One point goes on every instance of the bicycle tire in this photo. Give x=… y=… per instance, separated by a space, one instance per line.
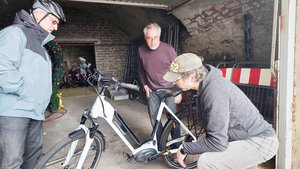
x=54 y=158
x=190 y=119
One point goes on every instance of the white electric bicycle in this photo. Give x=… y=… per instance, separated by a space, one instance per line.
x=83 y=147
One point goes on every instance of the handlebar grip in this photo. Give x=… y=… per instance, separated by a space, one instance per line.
x=130 y=86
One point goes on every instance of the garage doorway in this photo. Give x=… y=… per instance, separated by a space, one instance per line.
x=71 y=54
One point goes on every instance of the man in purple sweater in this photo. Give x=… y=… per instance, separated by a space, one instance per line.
x=155 y=58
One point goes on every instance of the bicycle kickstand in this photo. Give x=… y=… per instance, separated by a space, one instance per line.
x=128 y=156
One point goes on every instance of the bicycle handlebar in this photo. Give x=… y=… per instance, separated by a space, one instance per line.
x=97 y=76
x=130 y=86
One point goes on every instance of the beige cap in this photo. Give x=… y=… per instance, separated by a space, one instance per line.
x=183 y=63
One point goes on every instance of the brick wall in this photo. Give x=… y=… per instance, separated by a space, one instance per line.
x=111 y=60
x=110 y=44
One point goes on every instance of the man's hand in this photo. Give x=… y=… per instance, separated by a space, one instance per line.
x=178 y=99
x=147 y=90
x=180 y=158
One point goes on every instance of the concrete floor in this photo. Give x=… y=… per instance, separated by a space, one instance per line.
x=134 y=113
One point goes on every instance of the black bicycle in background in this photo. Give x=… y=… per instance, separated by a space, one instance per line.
x=74 y=78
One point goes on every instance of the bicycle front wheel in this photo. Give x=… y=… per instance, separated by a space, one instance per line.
x=170 y=145
x=56 y=156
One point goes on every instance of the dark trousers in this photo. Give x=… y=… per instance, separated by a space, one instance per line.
x=21 y=142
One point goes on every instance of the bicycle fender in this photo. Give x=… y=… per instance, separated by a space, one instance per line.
x=76 y=133
x=82 y=132
x=103 y=138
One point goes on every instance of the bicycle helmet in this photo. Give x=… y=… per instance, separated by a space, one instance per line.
x=50 y=7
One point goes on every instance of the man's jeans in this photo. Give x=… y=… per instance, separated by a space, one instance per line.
x=153 y=105
x=241 y=154
x=21 y=142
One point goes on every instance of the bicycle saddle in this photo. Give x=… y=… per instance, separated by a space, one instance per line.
x=172 y=92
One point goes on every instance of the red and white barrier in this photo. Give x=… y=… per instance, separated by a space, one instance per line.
x=252 y=76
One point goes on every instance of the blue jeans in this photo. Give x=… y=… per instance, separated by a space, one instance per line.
x=154 y=101
x=21 y=142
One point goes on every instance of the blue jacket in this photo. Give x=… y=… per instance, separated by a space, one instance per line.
x=25 y=69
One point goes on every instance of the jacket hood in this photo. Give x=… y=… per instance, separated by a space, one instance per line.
x=213 y=73
x=23 y=18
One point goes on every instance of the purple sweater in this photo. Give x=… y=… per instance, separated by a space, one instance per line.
x=153 y=64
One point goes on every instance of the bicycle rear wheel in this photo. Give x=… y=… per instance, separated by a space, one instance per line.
x=191 y=121
x=56 y=156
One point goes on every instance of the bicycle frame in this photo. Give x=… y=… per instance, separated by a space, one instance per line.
x=142 y=152
x=103 y=109
x=163 y=106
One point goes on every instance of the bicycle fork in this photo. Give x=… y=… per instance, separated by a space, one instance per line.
x=89 y=138
x=88 y=142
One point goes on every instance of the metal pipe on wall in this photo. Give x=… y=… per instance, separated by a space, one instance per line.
x=128 y=3
x=179 y=5
x=248 y=36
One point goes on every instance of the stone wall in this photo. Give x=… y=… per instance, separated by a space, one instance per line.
x=215 y=28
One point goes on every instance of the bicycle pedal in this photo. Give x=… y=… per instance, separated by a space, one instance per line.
x=128 y=156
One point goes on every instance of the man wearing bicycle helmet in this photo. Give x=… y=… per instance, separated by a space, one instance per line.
x=25 y=83
x=237 y=136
